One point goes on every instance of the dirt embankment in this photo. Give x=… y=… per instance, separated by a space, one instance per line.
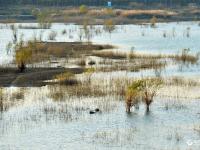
x=32 y=77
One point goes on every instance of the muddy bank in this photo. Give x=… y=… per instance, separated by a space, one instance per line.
x=32 y=77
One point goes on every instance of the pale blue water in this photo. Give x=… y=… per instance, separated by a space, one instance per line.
x=68 y=124
x=142 y=38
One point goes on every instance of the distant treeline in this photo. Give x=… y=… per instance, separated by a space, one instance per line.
x=94 y=2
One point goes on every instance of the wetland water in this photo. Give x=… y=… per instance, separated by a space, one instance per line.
x=33 y=119
x=164 y=38
x=39 y=122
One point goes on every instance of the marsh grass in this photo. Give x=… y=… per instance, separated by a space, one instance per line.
x=187 y=58
x=66 y=78
x=184 y=57
x=81 y=62
x=1 y=100
x=178 y=81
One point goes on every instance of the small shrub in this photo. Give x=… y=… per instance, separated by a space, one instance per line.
x=23 y=55
x=153 y=21
x=109 y=11
x=142 y=90
x=83 y=9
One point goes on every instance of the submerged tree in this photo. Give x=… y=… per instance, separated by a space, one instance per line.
x=142 y=90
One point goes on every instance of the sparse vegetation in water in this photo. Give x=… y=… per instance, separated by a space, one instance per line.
x=52 y=35
x=81 y=62
x=187 y=58
x=64 y=32
x=188 y=32
x=153 y=21
x=1 y=100
x=109 y=26
x=9 y=47
x=43 y=18
x=104 y=81
x=142 y=90
x=14 y=32
x=87 y=31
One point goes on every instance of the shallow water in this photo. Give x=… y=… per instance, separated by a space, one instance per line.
x=39 y=122
x=140 y=38
x=34 y=119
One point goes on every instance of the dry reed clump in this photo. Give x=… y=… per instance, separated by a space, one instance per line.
x=57 y=93
x=129 y=55
x=178 y=81
x=184 y=58
x=18 y=95
x=56 y=51
x=130 y=61
x=109 y=25
x=153 y=21
x=142 y=90
x=187 y=58
x=66 y=78
x=110 y=54
x=1 y=100
x=129 y=13
x=10 y=99
x=133 y=67
x=81 y=62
